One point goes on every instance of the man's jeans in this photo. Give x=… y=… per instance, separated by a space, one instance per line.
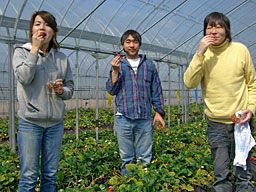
x=221 y=139
x=34 y=140
x=135 y=138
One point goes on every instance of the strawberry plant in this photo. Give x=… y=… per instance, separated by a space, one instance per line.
x=181 y=158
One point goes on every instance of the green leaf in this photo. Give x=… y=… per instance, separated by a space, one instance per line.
x=2 y=178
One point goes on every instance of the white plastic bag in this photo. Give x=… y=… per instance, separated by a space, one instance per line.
x=243 y=144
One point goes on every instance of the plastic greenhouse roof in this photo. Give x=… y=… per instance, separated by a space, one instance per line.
x=170 y=29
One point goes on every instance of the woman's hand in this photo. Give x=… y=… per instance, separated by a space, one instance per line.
x=58 y=86
x=37 y=41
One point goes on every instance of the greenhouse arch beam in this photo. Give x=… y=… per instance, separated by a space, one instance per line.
x=9 y=22
x=150 y=27
x=73 y=29
x=228 y=13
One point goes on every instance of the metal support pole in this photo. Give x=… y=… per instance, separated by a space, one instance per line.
x=77 y=87
x=187 y=103
x=184 y=106
x=12 y=135
x=97 y=98
x=169 y=95
x=97 y=56
x=179 y=98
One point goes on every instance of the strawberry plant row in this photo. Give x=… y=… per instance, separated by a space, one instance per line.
x=181 y=162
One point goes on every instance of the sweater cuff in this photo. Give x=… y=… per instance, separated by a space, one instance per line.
x=199 y=57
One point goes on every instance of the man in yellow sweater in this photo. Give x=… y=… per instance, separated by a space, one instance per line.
x=227 y=76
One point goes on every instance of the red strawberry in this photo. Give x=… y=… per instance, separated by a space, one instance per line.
x=110 y=189
x=235 y=119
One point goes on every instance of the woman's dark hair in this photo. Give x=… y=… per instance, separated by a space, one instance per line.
x=51 y=21
x=216 y=18
x=133 y=33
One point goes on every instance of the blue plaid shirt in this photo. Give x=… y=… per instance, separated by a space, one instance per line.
x=137 y=93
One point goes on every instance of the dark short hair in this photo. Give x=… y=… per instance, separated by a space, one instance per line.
x=133 y=33
x=51 y=21
x=215 y=18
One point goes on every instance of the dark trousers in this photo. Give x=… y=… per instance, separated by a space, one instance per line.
x=221 y=140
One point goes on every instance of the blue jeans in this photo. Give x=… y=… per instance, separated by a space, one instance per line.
x=34 y=141
x=221 y=139
x=135 y=139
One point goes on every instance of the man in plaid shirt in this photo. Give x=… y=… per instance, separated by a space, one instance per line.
x=135 y=82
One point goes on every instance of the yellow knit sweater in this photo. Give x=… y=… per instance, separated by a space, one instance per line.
x=227 y=77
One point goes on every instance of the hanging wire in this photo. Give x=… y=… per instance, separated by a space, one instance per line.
x=4 y=10
x=163 y=17
x=115 y=14
x=236 y=7
x=157 y=22
x=18 y=18
x=149 y=14
x=71 y=31
x=66 y=12
x=229 y=12
x=244 y=29
x=181 y=45
x=41 y=4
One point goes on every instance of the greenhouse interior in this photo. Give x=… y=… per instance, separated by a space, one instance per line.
x=89 y=33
